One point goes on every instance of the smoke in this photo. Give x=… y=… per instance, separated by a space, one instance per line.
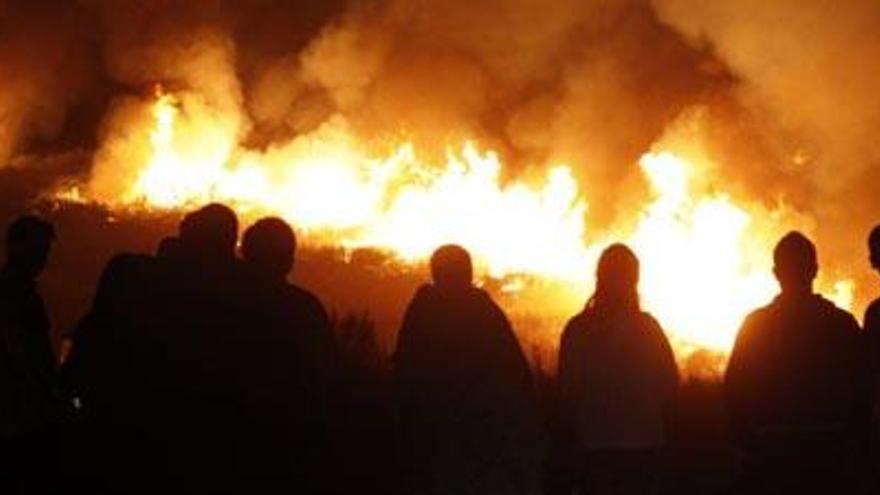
x=46 y=68
x=807 y=74
x=785 y=91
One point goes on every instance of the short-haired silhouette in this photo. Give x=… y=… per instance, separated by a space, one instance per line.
x=451 y=266
x=467 y=405
x=794 y=263
x=269 y=246
x=28 y=241
x=29 y=404
x=795 y=384
x=209 y=233
x=617 y=380
x=285 y=360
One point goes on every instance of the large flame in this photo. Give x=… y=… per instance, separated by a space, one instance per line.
x=705 y=258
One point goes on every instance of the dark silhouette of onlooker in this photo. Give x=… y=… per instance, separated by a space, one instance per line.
x=190 y=340
x=795 y=385
x=101 y=378
x=467 y=404
x=872 y=315
x=29 y=400
x=872 y=334
x=286 y=359
x=155 y=363
x=617 y=381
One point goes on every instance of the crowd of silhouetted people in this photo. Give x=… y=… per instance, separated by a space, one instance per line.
x=201 y=369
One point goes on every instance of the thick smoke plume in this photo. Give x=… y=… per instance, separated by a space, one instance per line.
x=784 y=92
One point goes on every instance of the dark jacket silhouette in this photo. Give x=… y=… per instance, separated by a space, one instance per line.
x=465 y=392
x=794 y=368
x=617 y=381
x=618 y=375
x=101 y=347
x=30 y=407
x=796 y=384
x=28 y=374
x=872 y=319
x=284 y=357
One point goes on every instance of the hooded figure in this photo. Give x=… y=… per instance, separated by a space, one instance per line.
x=465 y=393
x=617 y=380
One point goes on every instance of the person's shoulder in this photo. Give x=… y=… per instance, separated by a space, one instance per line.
x=832 y=311
x=483 y=297
x=423 y=293
x=759 y=320
x=761 y=314
x=649 y=321
x=305 y=299
x=485 y=303
x=651 y=325
x=578 y=324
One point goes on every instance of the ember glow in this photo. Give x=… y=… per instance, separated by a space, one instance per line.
x=705 y=258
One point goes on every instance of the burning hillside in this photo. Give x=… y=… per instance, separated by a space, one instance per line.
x=533 y=135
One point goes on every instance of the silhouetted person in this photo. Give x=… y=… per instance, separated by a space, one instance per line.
x=795 y=384
x=286 y=359
x=872 y=316
x=617 y=380
x=101 y=376
x=94 y=356
x=872 y=333
x=29 y=404
x=465 y=393
x=190 y=336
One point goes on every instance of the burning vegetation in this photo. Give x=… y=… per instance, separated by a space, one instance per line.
x=534 y=135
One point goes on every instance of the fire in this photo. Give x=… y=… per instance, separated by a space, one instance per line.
x=700 y=274
x=397 y=203
x=705 y=257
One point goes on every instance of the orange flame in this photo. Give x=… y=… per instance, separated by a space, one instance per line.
x=705 y=258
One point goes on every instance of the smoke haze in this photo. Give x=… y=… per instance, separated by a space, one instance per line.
x=784 y=93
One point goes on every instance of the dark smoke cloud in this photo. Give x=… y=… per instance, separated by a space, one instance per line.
x=47 y=69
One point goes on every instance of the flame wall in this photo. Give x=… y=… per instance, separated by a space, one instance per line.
x=774 y=103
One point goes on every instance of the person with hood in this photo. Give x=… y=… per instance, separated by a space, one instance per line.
x=617 y=382
x=466 y=397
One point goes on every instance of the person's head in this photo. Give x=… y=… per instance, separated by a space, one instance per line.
x=617 y=280
x=269 y=246
x=28 y=241
x=451 y=267
x=210 y=233
x=795 y=263
x=874 y=247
